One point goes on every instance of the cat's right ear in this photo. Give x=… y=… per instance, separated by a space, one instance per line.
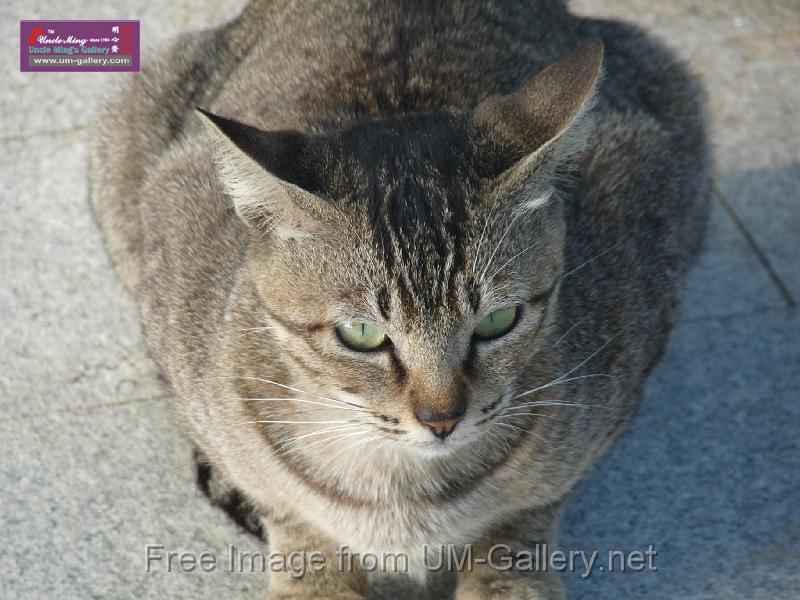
x=268 y=177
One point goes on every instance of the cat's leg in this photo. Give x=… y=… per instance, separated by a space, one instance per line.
x=221 y=493
x=511 y=544
x=288 y=538
x=291 y=537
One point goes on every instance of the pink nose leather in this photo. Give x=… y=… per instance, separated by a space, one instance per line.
x=440 y=424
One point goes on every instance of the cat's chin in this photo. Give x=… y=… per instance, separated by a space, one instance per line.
x=438 y=448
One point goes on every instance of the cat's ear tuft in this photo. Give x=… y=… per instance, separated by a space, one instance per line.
x=266 y=175
x=540 y=124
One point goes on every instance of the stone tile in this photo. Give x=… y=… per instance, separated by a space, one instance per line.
x=709 y=472
x=757 y=133
x=82 y=495
x=746 y=53
x=35 y=102
x=715 y=285
x=70 y=334
x=691 y=23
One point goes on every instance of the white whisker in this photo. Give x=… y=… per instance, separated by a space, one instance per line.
x=529 y=414
x=288 y=387
x=347 y=447
x=338 y=430
x=551 y=403
x=303 y=401
x=568 y=331
x=503 y=439
x=289 y=422
x=500 y=242
x=362 y=431
x=331 y=429
x=563 y=378
x=579 y=267
x=359 y=442
x=518 y=254
x=510 y=426
x=490 y=217
x=526 y=431
x=560 y=381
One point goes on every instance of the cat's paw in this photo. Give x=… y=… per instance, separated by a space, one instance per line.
x=306 y=593
x=518 y=588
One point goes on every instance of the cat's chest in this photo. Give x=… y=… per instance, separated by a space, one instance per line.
x=410 y=525
x=409 y=531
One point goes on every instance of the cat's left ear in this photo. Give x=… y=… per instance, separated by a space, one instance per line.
x=270 y=177
x=533 y=129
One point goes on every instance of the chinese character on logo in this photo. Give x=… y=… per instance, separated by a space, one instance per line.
x=115 y=29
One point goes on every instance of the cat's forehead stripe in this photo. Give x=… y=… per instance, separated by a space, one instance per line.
x=419 y=228
x=384 y=301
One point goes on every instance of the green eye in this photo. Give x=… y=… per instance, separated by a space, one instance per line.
x=496 y=323
x=361 y=336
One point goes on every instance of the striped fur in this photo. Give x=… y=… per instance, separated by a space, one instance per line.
x=417 y=166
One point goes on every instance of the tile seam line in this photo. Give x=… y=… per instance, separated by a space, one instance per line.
x=29 y=135
x=762 y=258
x=83 y=409
x=758 y=310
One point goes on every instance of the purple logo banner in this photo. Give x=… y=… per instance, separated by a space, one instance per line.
x=79 y=45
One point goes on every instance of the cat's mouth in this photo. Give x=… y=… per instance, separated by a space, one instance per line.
x=473 y=439
x=437 y=448
x=426 y=443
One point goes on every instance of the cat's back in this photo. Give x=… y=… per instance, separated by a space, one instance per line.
x=318 y=65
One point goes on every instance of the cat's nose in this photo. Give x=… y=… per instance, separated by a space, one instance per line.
x=440 y=424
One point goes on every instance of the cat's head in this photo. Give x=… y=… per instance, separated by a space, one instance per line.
x=410 y=265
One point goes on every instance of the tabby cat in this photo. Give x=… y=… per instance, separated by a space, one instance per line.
x=405 y=265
